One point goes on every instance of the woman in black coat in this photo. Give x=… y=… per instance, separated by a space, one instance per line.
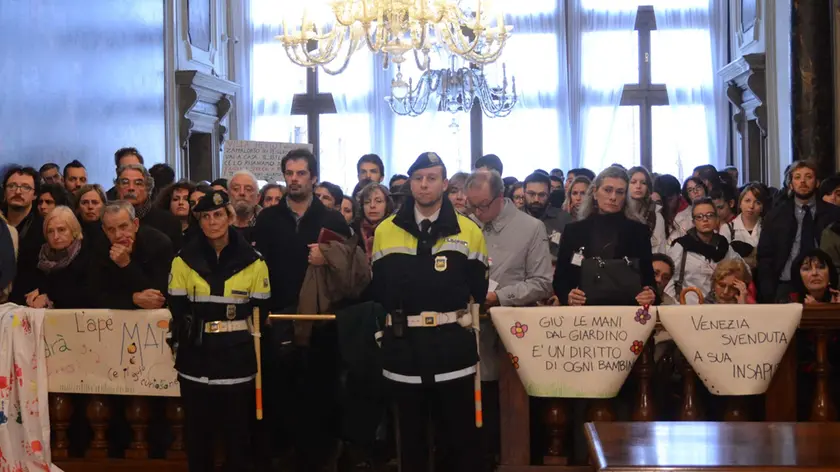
x=607 y=229
x=63 y=275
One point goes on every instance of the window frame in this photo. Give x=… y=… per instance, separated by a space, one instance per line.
x=645 y=94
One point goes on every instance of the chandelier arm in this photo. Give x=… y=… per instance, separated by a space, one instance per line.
x=353 y=45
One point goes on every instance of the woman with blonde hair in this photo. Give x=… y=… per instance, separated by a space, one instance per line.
x=575 y=194
x=640 y=190
x=63 y=274
x=731 y=284
x=744 y=231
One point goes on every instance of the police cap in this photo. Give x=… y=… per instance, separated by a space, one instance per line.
x=426 y=161
x=212 y=201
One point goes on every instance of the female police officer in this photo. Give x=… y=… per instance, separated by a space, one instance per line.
x=215 y=283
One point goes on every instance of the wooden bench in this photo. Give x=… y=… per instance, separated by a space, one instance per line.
x=706 y=446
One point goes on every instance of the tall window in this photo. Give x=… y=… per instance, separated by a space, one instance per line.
x=599 y=82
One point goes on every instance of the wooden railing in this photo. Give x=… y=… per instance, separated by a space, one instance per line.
x=94 y=433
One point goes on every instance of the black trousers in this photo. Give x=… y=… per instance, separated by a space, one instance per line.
x=456 y=440
x=213 y=409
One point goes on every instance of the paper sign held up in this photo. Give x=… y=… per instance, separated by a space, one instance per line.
x=573 y=352
x=110 y=352
x=734 y=349
x=260 y=157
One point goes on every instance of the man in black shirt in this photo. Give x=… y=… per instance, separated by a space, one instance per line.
x=287 y=236
x=133 y=270
x=135 y=185
x=20 y=187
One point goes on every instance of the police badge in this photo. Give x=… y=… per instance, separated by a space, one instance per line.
x=440 y=263
x=217 y=199
x=231 y=312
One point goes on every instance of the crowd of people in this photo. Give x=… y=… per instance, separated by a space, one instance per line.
x=425 y=248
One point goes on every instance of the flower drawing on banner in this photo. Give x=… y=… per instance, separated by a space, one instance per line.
x=637 y=347
x=642 y=316
x=4 y=382
x=3 y=418
x=36 y=446
x=26 y=324
x=519 y=330
x=514 y=360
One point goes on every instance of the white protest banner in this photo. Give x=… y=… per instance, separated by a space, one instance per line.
x=110 y=352
x=260 y=157
x=573 y=352
x=734 y=349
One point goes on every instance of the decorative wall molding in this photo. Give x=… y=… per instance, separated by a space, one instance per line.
x=204 y=102
x=747 y=91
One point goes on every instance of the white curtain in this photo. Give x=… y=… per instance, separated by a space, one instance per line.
x=690 y=47
x=536 y=134
x=603 y=55
x=273 y=79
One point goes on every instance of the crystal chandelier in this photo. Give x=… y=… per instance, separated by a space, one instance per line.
x=394 y=28
x=455 y=90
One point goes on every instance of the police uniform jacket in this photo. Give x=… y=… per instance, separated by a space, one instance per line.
x=436 y=271
x=207 y=289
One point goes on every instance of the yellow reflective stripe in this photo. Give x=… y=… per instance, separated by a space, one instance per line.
x=218 y=299
x=261 y=295
x=478 y=256
x=393 y=250
x=178 y=292
x=455 y=247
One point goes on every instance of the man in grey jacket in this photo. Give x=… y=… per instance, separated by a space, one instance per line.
x=537 y=190
x=520 y=274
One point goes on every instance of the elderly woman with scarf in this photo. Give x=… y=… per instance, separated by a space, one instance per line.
x=376 y=204
x=63 y=276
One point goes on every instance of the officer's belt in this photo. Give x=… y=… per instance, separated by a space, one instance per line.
x=431 y=319
x=226 y=326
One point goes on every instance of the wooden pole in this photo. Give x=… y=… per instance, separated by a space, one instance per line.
x=257 y=335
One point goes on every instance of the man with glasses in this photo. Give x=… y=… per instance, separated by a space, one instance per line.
x=134 y=184
x=537 y=190
x=20 y=186
x=696 y=254
x=520 y=275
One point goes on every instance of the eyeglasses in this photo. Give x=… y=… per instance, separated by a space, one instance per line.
x=481 y=208
x=692 y=190
x=705 y=217
x=23 y=188
x=518 y=198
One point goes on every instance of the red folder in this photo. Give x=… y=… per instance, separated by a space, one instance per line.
x=326 y=236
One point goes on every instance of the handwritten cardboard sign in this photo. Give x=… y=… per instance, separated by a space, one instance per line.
x=260 y=157
x=573 y=352
x=734 y=349
x=110 y=352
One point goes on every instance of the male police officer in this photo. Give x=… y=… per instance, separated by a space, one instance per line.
x=428 y=261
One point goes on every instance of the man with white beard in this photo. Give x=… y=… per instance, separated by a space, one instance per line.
x=244 y=196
